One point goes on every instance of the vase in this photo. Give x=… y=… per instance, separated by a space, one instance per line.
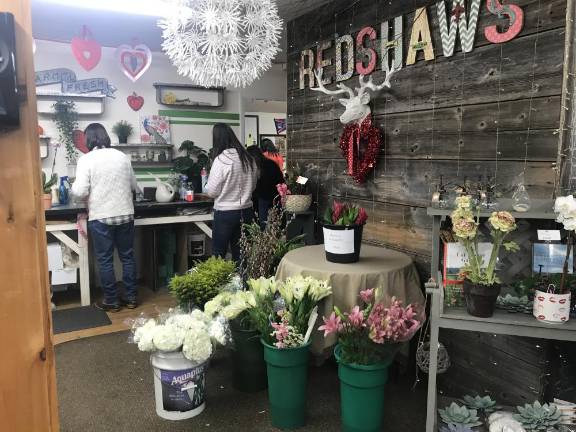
x=481 y=299
x=287 y=371
x=342 y=243
x=297 y=203
x=179 y=385
x=47 y=201
x=122 y=139
x=551 y=308
x=249 y=368
x=362 y=394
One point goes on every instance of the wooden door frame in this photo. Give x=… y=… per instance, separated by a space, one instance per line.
x=28 y=399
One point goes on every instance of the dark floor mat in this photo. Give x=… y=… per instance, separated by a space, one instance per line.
x=79 y=318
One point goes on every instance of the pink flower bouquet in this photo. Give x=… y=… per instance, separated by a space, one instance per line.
x=344 y=214
x=370 y=334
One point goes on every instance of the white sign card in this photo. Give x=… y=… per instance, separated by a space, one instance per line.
x=339 y=242
x=302 y=180
x=549 y=235
x=456 y=256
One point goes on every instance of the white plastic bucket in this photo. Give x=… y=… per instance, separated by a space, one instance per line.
x=551 y=308
x=179 y=385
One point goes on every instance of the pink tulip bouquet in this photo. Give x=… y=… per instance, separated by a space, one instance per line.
x=371 y=333
x=344 y=214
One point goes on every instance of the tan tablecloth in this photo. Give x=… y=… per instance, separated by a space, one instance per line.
x=391 y=271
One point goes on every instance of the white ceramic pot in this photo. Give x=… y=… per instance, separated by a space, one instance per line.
x=551 y=308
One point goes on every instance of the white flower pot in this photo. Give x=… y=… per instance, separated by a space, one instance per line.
x=551 y=308
x=179 y=385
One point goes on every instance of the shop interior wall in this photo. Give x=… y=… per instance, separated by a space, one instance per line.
x=494 y=111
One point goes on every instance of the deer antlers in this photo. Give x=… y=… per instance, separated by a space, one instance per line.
x=342 y=88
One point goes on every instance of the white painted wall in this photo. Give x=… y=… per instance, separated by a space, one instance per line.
x=51 y=55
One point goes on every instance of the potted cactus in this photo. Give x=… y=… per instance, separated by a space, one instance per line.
x=47 y=184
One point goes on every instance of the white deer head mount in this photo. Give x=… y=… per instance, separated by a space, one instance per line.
x=357 y=103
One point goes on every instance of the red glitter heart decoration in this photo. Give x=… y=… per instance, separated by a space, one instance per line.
x=360 y=159
x=135 y=102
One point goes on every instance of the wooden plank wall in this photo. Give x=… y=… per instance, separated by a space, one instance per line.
x=493 y=111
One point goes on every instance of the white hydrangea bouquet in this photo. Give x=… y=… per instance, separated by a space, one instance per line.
x=565 y=207
x=282 y=312
x=195 y=334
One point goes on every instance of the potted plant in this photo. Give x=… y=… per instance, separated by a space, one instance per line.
x=263 y=249
x=181 y=344
x=294 y=193
x=552 y=302
x=122 y=130
x=481 y=284
x=202 y=283
x=368 y=338
x=66 y=119
x=192 y=163
x=47 y=189
x=343 y=227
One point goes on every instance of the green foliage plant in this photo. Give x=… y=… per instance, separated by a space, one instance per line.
x=193 y=161
x=66 y=119
x=48 y=183
x=459 y=415
x=122 y=129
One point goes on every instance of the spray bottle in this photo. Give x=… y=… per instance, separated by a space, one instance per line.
x=63 y=193
x=204 y=175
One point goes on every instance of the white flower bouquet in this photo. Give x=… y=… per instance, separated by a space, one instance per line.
x=195 y=333
x=565 y=207
x=280 y=311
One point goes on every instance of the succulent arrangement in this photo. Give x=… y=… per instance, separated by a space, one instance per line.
x=459 y=415
x=538 y=417
x=485 y=403
x=456 y=428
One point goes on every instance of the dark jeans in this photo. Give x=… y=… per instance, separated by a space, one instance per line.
x=263 y=208
x=105 y=238
x=227 y=228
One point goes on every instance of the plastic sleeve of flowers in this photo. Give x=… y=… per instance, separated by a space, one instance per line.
x=311 y=323
x=133 y=324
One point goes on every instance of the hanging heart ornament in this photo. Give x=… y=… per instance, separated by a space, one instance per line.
x=360 y=146
x=135 y=102
x=86 y=50
x=134 y=60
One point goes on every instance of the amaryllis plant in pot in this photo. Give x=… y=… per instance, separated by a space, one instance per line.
x=481 y=282
x=343 y=226
x=552 y=304
x=368 y=338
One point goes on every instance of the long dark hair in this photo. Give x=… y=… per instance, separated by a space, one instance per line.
x=257 y=155
x=224 y=138
x=96 y=136
x=268 y=146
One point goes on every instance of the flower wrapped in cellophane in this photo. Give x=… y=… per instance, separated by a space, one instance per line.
x=194 y=333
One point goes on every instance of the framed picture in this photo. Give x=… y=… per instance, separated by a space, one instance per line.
x=154 y=129
x=279 y=142
x=549 y=258
x=251 y=130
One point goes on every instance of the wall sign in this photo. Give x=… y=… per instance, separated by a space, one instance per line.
x=459 y=18
x=70 y=84
x=86 y=50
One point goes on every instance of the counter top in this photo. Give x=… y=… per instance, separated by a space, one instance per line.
x=140 y=208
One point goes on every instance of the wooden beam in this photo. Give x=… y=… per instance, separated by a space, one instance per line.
x=27 y=378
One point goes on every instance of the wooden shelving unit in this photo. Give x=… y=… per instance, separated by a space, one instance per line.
x=142 y=148
x=514 y=324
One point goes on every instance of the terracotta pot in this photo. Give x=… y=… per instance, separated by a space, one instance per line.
x=481 y=299
x=47 y=201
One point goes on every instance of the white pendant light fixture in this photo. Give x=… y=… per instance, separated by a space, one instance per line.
x=220 y=43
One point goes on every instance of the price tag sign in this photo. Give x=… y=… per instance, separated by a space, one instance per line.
x=339 y=241
x=302 y=180
x=549 y=235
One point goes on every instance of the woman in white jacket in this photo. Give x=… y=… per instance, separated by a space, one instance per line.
x=232 y=180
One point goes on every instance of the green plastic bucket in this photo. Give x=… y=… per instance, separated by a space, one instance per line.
x=249 y=368
x=287 y=382
x=362 y=395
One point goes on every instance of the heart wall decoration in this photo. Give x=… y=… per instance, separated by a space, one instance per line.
x=86 y=50
x=134 y=60
x=135 y=102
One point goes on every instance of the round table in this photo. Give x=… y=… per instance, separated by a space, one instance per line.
x=391 y=271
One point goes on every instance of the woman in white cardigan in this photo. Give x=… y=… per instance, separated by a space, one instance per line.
x=232 y=180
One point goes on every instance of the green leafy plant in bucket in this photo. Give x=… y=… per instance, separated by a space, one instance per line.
x=122 y=130
x=193 y=161
x=344 y=214
x=538 y=417
x=48 y=183
x=459 y=415
x=202 y=283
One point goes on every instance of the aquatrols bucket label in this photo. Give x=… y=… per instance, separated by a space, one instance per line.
x=182 y=390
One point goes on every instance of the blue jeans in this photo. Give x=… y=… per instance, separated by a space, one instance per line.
x=227 y=230
x=105 y=238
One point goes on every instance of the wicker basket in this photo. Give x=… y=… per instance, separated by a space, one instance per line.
x=297 y=203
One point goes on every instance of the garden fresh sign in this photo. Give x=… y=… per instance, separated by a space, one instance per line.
x=457 y=18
